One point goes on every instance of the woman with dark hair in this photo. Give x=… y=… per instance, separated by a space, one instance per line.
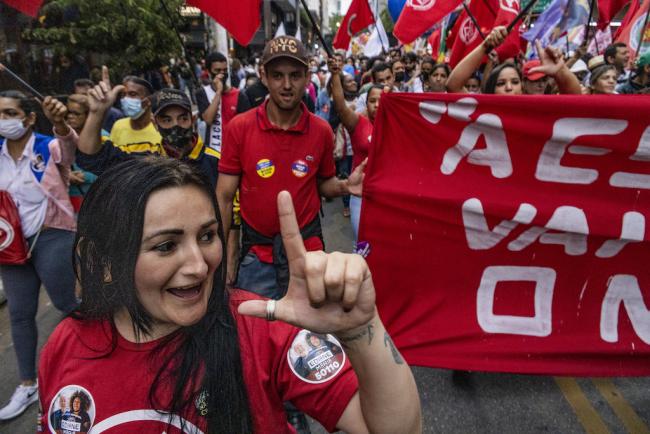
x=603 y=80
x=34 y=170
x=506 y=79
x=438 y=78
x=159 y=343
x=359 y=127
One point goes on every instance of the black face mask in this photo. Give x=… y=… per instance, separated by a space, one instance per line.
x=400 y=76
x=177 y=141
x=425 y=75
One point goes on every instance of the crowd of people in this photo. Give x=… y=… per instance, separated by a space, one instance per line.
x=125 y=231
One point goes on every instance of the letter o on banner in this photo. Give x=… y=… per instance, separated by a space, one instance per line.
x=540 y=324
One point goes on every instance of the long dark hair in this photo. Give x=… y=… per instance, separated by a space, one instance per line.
x=491 y=83
x=205 y=365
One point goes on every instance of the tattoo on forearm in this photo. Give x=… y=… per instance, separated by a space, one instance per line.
x=368 y=331
x=388 y=342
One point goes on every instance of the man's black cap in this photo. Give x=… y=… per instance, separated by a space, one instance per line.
x=170 y=97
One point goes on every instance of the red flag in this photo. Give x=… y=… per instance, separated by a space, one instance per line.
x=508 y=11
x=28 y=7
x=241 y=18
x=631 y=28
x=419 y=15
x=607 y=9
x=434 y=40
x=467 y=36
x=359 y=17
x=633 y=9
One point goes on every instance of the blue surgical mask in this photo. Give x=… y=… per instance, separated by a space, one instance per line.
x=131 y=107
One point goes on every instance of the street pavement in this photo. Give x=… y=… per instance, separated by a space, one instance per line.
x=452 y=401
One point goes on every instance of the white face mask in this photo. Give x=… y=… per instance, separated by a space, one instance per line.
x=12 y=129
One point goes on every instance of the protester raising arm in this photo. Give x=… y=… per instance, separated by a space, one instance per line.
x=470 y=63
x=334 y=293
x=349 y=118
x=553 y=65
x=551 y=60
x=100 y=100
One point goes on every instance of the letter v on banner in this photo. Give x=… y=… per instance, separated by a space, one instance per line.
x=358 y=17
x=241 y=18
x=419 y=15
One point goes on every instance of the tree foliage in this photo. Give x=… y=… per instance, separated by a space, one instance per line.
x=135 y=35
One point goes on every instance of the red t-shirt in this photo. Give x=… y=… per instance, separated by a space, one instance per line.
x=319 y=380
x=360 y=139
x=269 y=160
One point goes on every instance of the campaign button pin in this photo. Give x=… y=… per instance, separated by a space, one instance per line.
x=300 y=168
x=265 y=168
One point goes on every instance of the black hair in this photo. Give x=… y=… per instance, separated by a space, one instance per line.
x=27 y=104
x=611 y=50
x=205 y=364
x=215 y=56
x=374 y=60
x=84 y=400
x=141 y=81
x=428 y=60
x=83 y=82
x=443 y=66
x=410 y=56
x=379 y=67
x=491 y=82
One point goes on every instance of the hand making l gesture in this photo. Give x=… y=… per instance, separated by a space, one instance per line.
x=328 y=293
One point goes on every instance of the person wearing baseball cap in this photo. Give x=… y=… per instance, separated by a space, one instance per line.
x=640 y=79
x=278 y=146
x=172 y=118
x=535 y=83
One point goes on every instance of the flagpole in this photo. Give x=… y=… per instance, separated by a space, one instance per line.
x=645 y=24
x=518 y=18
x=21 y=81
x=314 y=26
x=195 y=80
x=592 y=6
x=383 y=50
x=471 y=17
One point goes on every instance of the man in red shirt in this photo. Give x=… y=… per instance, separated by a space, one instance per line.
x=278 y=146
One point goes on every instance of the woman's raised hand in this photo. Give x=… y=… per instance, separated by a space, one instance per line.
x=328 y=293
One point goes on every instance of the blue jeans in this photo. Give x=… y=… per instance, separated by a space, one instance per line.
x=51 y=266
x=258 y=277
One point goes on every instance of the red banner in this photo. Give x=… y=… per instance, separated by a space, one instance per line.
x=509 y=233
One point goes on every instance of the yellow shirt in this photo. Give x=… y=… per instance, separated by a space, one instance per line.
x=129 y=140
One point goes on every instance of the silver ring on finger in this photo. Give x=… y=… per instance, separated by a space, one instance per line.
x=270 y=310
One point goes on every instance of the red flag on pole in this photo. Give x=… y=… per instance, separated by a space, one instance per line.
x=632 y=10
x=359 y=17
x=467 y=36
x=507 y=12
x=434 y=41
x=607 y=9
x=241 y=18
x=630 y=31
x=419 y=15
x=28 y=7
